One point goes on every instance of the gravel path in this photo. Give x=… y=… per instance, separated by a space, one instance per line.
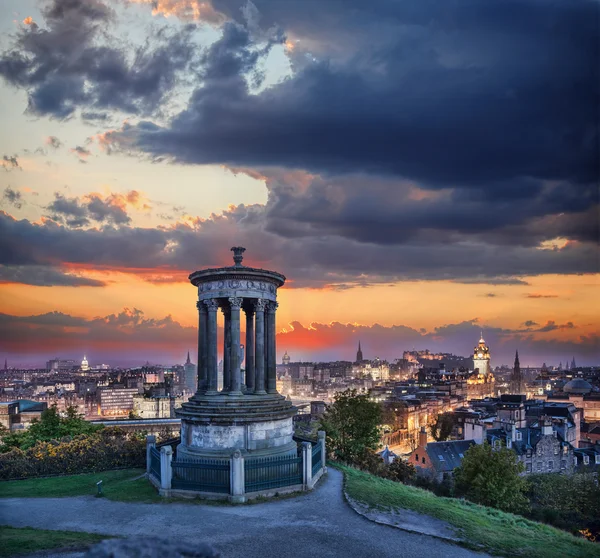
x=319 y=524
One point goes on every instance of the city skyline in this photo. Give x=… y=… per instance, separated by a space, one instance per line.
x=328 y=148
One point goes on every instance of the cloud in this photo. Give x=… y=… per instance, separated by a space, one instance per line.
x=187 y=10
x=310 y=261
x=53 y=142
x=390 y=108
x=355 y=146
x=12 y=197
x=129 y=331
x=553 y=326
x=10 y=162
x=490 y=295
x=133 y=335
x=95 y=116
x=44 y=276
x=530 y=323
x=71 y=61
x=539 y=295
x=81 y=152
x=79 y=212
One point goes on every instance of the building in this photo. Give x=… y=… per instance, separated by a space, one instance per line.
x=438 y=459
x=481 y=357
x=18 y=415
x=61 y=365
x=190 y=376
x=516 y=379
x=115 y=400
x=155 y=407
x=84 y=364
x=481 y=383
x=541 y=449
x=286 y=359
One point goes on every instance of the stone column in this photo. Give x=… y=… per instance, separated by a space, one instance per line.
x=272 y=355
x=150 y=443
x=259 y=384
x=211 y=346
x=202 y=347
x=234 y=360
x=322 y=437
x=166 y=471
x=307 y=465
x=249 y=350
x=237 y=484
x=226 y=349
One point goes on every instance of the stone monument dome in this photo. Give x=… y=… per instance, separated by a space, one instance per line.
x=577 y=386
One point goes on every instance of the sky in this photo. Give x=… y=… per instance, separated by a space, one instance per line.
x=419 y=171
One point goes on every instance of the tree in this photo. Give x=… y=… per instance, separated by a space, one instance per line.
x=352 y=425
x=491 y=477
x=400 y=471
x=50 y=426
x=442 y=428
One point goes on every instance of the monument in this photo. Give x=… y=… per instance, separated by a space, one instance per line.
x=248 y=414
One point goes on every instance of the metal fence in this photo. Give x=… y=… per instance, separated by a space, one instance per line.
x=316 y=458
x=264 y=473
x=155 y=463
x=203 y=475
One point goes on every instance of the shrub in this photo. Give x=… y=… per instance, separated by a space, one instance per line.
x=110 y=448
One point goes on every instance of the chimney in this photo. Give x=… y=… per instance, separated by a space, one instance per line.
x=423 y=437
x=546 y=426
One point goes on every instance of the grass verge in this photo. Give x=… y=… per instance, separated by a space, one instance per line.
x=484 y=528
x=17 y=541
x=116 y=485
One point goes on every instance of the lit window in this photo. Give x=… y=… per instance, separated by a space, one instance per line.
x=441 y=457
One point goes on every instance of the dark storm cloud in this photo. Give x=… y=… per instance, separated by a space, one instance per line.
x=44 y=276
x=79 y=212
x=308 y=261
x=460 y=96
x=530 y=323
x=430 y=125
x=70 y=61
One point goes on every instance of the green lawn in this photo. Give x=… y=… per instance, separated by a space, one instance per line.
x=27 y=541
x=117 y=485
x=484 y=528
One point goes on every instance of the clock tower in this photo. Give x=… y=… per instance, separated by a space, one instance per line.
x=481 y=357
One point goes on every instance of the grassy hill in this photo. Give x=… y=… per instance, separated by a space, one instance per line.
x=486 y=529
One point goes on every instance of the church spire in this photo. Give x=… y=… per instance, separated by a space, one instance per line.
x=359 y=354
x=188 y=361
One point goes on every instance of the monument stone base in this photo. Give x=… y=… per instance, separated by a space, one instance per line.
x=216 y=426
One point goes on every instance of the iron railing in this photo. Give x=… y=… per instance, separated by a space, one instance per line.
x=316 y=458
x=264 y=473
x=203 y=475
x=155 y=463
